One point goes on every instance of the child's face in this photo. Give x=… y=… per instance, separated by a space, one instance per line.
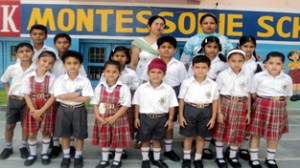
x=38 y=36
x=25 y=53
x=156 y=75
x=72 y=65
x=120 y=56
x=294 y=57
x=211 y=49
x=166 y=50
x=248 y=48
x=157 y=26
x=200 y=69
x=111 y=73
x=45 y=63
x=274 y=65
x=236 y=62
x=62 y=45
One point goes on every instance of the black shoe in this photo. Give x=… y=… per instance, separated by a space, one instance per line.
x=221 y=164
x=151 y=156
x=102 y=164
x=65 y=163
x=116 y=165
x=6 y=153
x=78 y=162
x=111 y=154
x=271 y=165
x=45 y=159
x=160 y=164
x=294 y=98
x=146 y=164
x=244 y=154
x=56 y=150
x=72 y=151
x=254 y=166
x=172 y=156
x=198 y=164
x=30 y=160
x=24 y=152
x=124 y=155
x=207 y=154
x=186 y=163
x=234 y=162
x=227 y=152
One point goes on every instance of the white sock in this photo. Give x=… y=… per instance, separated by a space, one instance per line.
x=233 y=151
x=207 y=142
x=271 y=155
x=32 y=147
x=168 y=145
x=118 y=154
x=55 y=141
x=66 y=153
x=45 y=146
x=78 y=154
x=23 y=144
x=198 y=156
x=105 y=154
x=72 y=141
x=8 y=145
x=187 y=154
x=156 y=152
x=254 y=155
x=145 y=153
x=219 y=150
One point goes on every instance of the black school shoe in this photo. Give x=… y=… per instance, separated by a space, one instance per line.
x=72 y=151
x=56 y=150
x=146 y=164
x=271 y=165
x=221 y=164
x=102 y=164
x=294 y=98
x=65 y=163
x=186 y=163
x=30 y=160
x=198 y=164
x=151 y=156
x=172 y=156
x=234 y=164
x=207 y=154
x=160 y=164
x=255 y=166
x=6 y=153
x=78 y=162
x=244 y=154
x=118 y=165
x=24 y=152
x=45 y=159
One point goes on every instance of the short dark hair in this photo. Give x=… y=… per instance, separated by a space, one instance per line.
x=201 y=59
x=167 y=39
x=47 y=53
x=74 y=54
x=62 y=35
x=112 y=62
x=121 y=48
x=39 y=27
x=275 y=54
x=153 y=18
x=23 y=44
x=208 y=15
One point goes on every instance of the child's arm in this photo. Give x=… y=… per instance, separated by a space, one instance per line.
x=220 y=115
x=29 y=103
x=137 y=123
x=118 y=114
x=253 y=95
x=248 y=118
x=100 y=119
x=212 y=121
x=182 y=120
x=6 y=88
x=169 y=123
x=37 y=113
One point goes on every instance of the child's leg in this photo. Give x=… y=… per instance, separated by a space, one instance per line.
x=45 y=144
x=219 y=150
x=32 y=144
x=9 y=133
x=169 y=152
x=187 y=147
x=199 y=148
x=66 y=146
x=79 y=147
x=156 y=149
x=272 y=148
x=118 y=154
x=254 y=148
x=145 y=150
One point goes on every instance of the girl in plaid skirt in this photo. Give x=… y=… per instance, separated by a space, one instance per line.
x=111 y=102
x=40 y=112
x=270 y=90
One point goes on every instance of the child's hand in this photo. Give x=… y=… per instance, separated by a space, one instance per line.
x=182 y=121
x=248 y=118
x=36 y=114
x=111 y=120
x=211 y=124
x=169 y=124
x=137 y=123
x=101 y=120
x=220 y=118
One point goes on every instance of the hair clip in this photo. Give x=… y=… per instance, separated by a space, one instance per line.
x=205 y=40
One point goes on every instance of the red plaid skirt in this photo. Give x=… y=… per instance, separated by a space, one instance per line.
x=131 y=121
x=295 y=75
x=233 y=130
x=269 y=119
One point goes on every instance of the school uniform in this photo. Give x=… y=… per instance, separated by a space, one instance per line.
x=269 y=115
x=110 y=100
x=154 y=105
x=71 y=117
x=234 y=90
x=198 y=98
x=40 y=90
x=251 y=66
x=16 y=102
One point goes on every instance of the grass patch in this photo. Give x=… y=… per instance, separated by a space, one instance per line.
x=3 y=100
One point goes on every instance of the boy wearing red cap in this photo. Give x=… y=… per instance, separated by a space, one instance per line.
x=155 y=104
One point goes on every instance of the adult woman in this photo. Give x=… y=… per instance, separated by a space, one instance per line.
x=208 y=24
x=144 y=49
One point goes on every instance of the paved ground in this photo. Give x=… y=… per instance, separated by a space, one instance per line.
x=288 y=155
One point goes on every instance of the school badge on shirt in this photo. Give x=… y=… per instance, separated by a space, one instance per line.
x=208 y=95
x=162 y=101
x=284 y=87
x=243 y=85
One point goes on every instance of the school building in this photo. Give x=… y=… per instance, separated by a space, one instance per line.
x=97 y=26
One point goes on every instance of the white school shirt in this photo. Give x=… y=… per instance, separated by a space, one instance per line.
x=154 y=100
x=128 y=77
x=250 y=66
x=232 y=84
x=263 y=84
x=191 y=91
x=124 y=97
x=64 y=85
x=175 y=74
x=59 y=69
x=16 y=74
x=216 y=66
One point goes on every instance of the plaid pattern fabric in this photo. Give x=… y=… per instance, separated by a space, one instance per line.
x=48 y=118
x=116 y=135
x=295 y=75
x=233 y=130
x=269 y=119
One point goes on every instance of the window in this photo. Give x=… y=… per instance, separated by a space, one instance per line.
x=97 y=55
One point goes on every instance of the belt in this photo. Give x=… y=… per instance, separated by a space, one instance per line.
x=155 y=116
x=110 y=106
x=199 y=105
x=16 y=97
x=274 y=98
x=46 y=96
x=235 y=98
x=72 y=106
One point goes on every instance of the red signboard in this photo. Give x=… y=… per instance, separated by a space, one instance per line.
x=10 y=18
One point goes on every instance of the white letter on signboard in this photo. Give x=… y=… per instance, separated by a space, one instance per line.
x=7 y=18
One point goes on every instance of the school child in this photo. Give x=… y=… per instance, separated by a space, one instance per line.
x=62 y=42
x=111 y=102
x=16 y=102
x=294 y=73
x=176 y=73
x=155 y=104
x=234 y=108
x=198 y=98
x=72 y=91
x=270 y=90
x=40 y=112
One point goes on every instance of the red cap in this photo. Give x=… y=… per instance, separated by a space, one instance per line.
x=157 y=63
